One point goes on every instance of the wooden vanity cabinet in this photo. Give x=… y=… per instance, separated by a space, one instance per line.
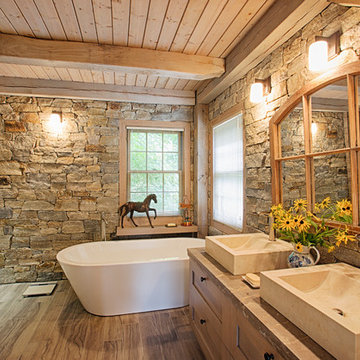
x=221 y=328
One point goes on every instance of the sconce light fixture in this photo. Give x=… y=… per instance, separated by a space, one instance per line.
x=323 y=50
x=313 y=128
x=56 y=122
x=259 y=89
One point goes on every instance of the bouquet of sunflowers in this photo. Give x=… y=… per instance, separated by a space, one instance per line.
x=306 y=228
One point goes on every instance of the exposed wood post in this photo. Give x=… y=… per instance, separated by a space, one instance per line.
x=201 y=168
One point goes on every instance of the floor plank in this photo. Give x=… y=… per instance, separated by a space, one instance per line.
x=57 y=327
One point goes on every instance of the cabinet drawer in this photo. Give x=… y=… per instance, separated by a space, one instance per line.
x=206 y=325
x=245 y=342
x=209 y=291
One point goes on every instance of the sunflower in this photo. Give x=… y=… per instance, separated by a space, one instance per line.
x=299 y=205
x=344 y=208
x=299 y=247
x=331 y=248
x=286 y=223
x=303 y=225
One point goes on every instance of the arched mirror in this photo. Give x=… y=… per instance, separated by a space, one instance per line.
x=315 y=142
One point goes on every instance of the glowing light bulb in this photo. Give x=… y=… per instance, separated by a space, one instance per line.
x=256 y=92
x=318 y=56
x=313 y=128
x=55 y=123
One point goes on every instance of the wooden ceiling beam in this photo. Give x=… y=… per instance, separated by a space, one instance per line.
x=346 y=2
x=282 y=20
x=70 y=54
x=90 y=91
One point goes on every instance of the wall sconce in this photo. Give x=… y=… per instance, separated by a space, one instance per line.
x=313 y=128
x=323 y=50
x=259 y=89
x=56 y=122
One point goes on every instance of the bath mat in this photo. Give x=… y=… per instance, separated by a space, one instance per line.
x=39 y=289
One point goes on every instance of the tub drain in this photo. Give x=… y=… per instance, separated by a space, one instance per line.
x=339 y=311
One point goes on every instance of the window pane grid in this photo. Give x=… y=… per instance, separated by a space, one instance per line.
x=154 y=159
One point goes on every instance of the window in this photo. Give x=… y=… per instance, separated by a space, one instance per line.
x=228 y=172
x=155 y=166
x=154 y=158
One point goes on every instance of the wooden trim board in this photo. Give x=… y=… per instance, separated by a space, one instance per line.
x=82 y=90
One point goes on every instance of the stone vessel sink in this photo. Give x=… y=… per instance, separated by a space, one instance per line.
x=244 y=253
x=323 y=301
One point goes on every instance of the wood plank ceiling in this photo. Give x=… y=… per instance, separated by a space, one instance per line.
x=211 y=28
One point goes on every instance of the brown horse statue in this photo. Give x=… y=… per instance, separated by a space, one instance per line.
x=131 y=206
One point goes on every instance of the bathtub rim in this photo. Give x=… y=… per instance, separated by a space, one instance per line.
x=158 y=260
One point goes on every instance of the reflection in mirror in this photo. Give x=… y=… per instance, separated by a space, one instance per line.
x=293 y=181
x=292 y=133
x=332 y=177
x=330 y=125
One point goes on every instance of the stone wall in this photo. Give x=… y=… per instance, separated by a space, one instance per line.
x=287 y=66
x=54 y=188
x=331 y=172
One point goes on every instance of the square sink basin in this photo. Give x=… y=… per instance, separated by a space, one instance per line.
x=323 y=301
x=244 y=253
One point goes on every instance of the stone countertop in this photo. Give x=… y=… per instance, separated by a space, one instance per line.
x=289 y=340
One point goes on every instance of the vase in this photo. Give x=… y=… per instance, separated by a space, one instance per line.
x=303 y=258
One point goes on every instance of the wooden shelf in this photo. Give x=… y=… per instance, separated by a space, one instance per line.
x=147 y=230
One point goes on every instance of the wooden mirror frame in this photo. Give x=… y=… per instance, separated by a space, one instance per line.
x=350 y=72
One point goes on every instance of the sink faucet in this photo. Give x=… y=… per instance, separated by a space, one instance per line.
x=271 y=230
x=103 y=228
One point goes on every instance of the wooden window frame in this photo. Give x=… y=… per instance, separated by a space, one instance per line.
x=227 y=115
x=123 y=163
x=350 y=72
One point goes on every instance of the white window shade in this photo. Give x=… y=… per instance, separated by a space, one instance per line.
x=228 y=173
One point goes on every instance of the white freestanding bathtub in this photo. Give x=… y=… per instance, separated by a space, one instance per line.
x=122 y=277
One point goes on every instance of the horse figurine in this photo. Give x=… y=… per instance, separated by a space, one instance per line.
x=131 y=206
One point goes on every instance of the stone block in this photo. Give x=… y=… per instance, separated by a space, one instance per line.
x=84 y=160
x=94 y=186
x=5 y=181
x=5 y=154
x=110 y=178
x=32 y=118
x=109 y=140
x=7 y=275
x=66 y=160
x=6 y=213
x=95 y=148
x=25 y=107
x=10 y=168
x=70 y=227
x=5 y=241
x=52 y=215
x=108 y=204
x=37 y=205
x=92 y=226
x=79 y=177
x=87 y=205
x=67 y=205
x=20 y=242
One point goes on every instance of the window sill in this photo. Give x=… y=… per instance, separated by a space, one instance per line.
x=159 y=229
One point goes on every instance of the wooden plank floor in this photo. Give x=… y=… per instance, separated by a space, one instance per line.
x=57 y=327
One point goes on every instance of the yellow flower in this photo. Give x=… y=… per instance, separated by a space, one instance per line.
x=331 y=248
x=344 y=207
x=343 y=236
x=310 y=214
x=277 y=210
x=326 y=202
x=303 y=225
x=299 y=247
x=286 y=223
x=300 y=204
